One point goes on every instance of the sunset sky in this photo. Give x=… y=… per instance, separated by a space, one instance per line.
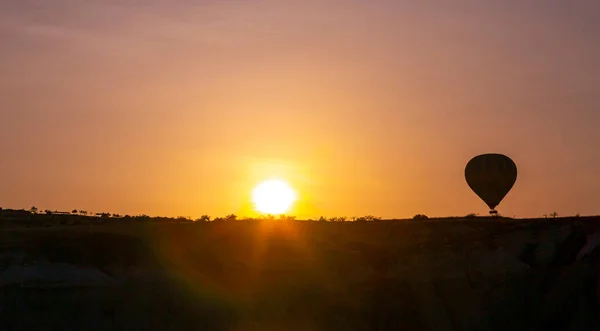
x=364 y=107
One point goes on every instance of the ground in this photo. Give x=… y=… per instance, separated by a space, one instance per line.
x=458 y=274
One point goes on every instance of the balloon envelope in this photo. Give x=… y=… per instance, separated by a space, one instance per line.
x=491 y=177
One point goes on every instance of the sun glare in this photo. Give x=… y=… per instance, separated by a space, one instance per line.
x=273 y=197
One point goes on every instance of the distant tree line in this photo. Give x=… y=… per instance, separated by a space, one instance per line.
x=232 y=217
x=79 y=216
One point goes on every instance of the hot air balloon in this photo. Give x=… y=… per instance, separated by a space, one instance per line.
x=491 y=177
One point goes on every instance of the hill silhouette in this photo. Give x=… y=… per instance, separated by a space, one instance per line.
x=426 y=274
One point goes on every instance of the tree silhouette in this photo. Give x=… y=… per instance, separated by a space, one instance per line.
x=74 y=211
x=33 y=210
x=231 y=217
x=368 y=218
x=287 y=217
x=203 y=218
x=554 y=214
x=338 y=219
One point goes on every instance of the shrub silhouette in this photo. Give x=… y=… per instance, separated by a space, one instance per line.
x=203 y=218
x=368 y=218
x=287 y=217
x=338 y=219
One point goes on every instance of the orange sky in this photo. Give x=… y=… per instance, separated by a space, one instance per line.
x=365 y=107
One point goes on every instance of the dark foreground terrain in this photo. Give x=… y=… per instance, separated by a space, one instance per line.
x=478 y=274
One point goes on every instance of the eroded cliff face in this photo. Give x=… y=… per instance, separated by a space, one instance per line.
x=132 y=306
x=37 y=293
x=294 y=277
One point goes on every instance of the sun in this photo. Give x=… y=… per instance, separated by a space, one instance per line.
x=273 y=196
